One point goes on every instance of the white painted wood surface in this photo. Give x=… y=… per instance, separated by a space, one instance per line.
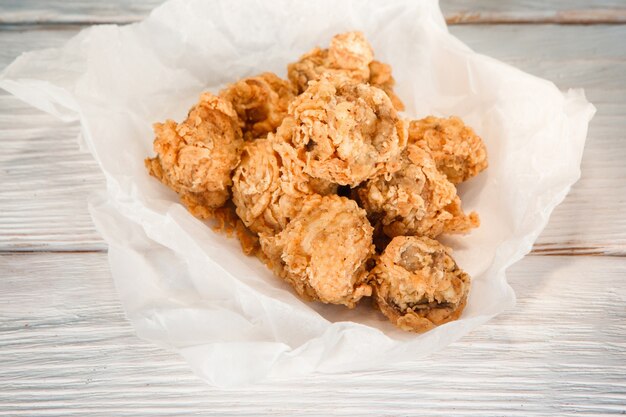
x=67 y=350
x=456 y=11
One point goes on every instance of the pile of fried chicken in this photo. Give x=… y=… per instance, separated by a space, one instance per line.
x=324 y=181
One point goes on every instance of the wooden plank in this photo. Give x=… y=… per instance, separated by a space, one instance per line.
x=46 y=179
x=75 y=11
x=67 y=350
x=533 y=11
x=455 y=11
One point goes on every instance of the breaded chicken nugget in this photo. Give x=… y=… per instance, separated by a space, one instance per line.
x=344 y=132
x=459 y=152
x=261 y=103
x=416 y=200
x=268 y=190
x=195 y=158
x=417 y=284
x=349 y=55
x=323 y=252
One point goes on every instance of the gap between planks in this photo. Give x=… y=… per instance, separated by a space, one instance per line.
x=582 y=17
x=569 y=17
x=456 y=11
x=539 y=250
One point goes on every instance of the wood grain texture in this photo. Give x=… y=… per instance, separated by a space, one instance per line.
x=533 y=12
x=46 y=180
x=455 y=11
x=67 y=350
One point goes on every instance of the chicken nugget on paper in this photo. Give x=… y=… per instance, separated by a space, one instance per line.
x=418 y=285
x=349 y=55
x=323 y=252
x=458 y=151
x=344 y=132
x=195 y=158
x=415 y=200
x=268 y=190
x=261 y=103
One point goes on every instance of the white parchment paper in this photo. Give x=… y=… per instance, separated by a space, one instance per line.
x=185 y=287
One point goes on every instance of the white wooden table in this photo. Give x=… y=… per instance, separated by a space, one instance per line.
x=67 y=350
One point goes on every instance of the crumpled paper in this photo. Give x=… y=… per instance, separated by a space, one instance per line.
x=187 y=288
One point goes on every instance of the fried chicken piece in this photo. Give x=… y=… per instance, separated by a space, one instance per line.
x=350 y=56
x=261 y=103
x=268 y=190
x=344 y=132
x=459 y=152
x=323 y=252
x=195 y=158
x=256 y=188
x=417 y=284
x=416 y=200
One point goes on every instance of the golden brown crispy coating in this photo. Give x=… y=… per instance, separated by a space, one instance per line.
x=417 y=284
x=268 y=191
x=351 y=51
x=459 y=152
x=256 y=188
x=460 y=223
x=350 y=56
x=195 y=158
x=323 y=252
x=380 y=76
x=344 y=132
x=416 y=200
x=261 y=103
